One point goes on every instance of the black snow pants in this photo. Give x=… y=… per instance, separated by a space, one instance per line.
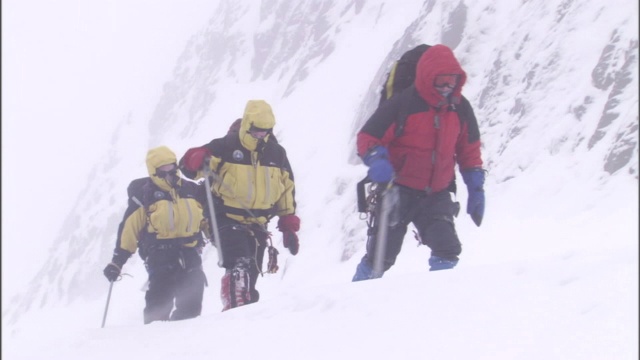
x=432 y=215
x=243 y=249
x=175 y=278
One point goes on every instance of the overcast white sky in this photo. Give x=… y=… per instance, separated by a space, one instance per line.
x=72 y=70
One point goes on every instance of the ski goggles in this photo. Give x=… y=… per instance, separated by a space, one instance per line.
x=446 y=80
x=169 y=169
x=258 y=133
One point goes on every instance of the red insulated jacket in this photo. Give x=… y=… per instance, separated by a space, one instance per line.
x=438 y=132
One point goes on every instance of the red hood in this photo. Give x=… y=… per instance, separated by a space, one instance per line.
x=438 y=60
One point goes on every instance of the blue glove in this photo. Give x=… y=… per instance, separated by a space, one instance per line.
x=474 y=178
x=380 y=169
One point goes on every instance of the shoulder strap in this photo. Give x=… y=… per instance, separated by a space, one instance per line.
x=137 y=201
x=136 y=190
x=402 y=117
x=466 y=115
x=406 y=100
x=135 y=193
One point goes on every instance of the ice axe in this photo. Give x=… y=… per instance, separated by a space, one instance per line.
x=387 y=217
x=212 y=213
x=106 y=308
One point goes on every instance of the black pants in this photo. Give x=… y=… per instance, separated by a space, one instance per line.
x=175 y=276
x=432 y=215
x=242 y=244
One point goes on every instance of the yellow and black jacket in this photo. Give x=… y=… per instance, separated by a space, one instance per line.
x=252 y=179
x=159 y=212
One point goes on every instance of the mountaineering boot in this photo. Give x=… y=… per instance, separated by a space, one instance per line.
x=438 y=263
x=364 y=271
x=235 y=290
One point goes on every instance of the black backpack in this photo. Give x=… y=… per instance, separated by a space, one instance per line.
x=403 y=72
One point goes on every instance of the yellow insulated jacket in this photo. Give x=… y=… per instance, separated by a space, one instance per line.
x=252 y=178
x=159 y=211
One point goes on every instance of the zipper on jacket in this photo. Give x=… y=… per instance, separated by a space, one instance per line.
x=250 y=177
x=172 y=225
x=436 y=126
x=190 y=219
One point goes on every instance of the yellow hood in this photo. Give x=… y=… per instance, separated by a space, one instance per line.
x=157 y=157
x=257 y=113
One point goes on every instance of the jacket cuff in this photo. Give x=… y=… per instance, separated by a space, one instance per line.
x=120 y=257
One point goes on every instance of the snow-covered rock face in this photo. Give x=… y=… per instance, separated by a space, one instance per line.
x=554 y=85
x=278 y=42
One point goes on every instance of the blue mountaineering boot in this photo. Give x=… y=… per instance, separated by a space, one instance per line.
x=438 y=263
x=364 y=271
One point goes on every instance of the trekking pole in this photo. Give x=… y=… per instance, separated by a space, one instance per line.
x=212 y=214
x=106 y=308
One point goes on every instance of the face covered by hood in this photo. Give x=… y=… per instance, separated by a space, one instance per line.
x=438 y=60
x=158 y=157
x=257 y=118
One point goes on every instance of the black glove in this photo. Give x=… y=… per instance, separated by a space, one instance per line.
x=112 y=272
x=113 y=269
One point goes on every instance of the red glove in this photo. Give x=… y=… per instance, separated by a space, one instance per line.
x=289 y=225
x=194 y=158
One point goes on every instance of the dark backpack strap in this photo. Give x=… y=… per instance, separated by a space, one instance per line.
x=135 y=191
x=465 y=113
x=409 y=104
x=403 y=114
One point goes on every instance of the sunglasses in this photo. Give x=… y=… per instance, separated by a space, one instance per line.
x=449 y=80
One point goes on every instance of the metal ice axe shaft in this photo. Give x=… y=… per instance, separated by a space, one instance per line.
x=389 y=196
x=212 y=214
x=106 y=308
